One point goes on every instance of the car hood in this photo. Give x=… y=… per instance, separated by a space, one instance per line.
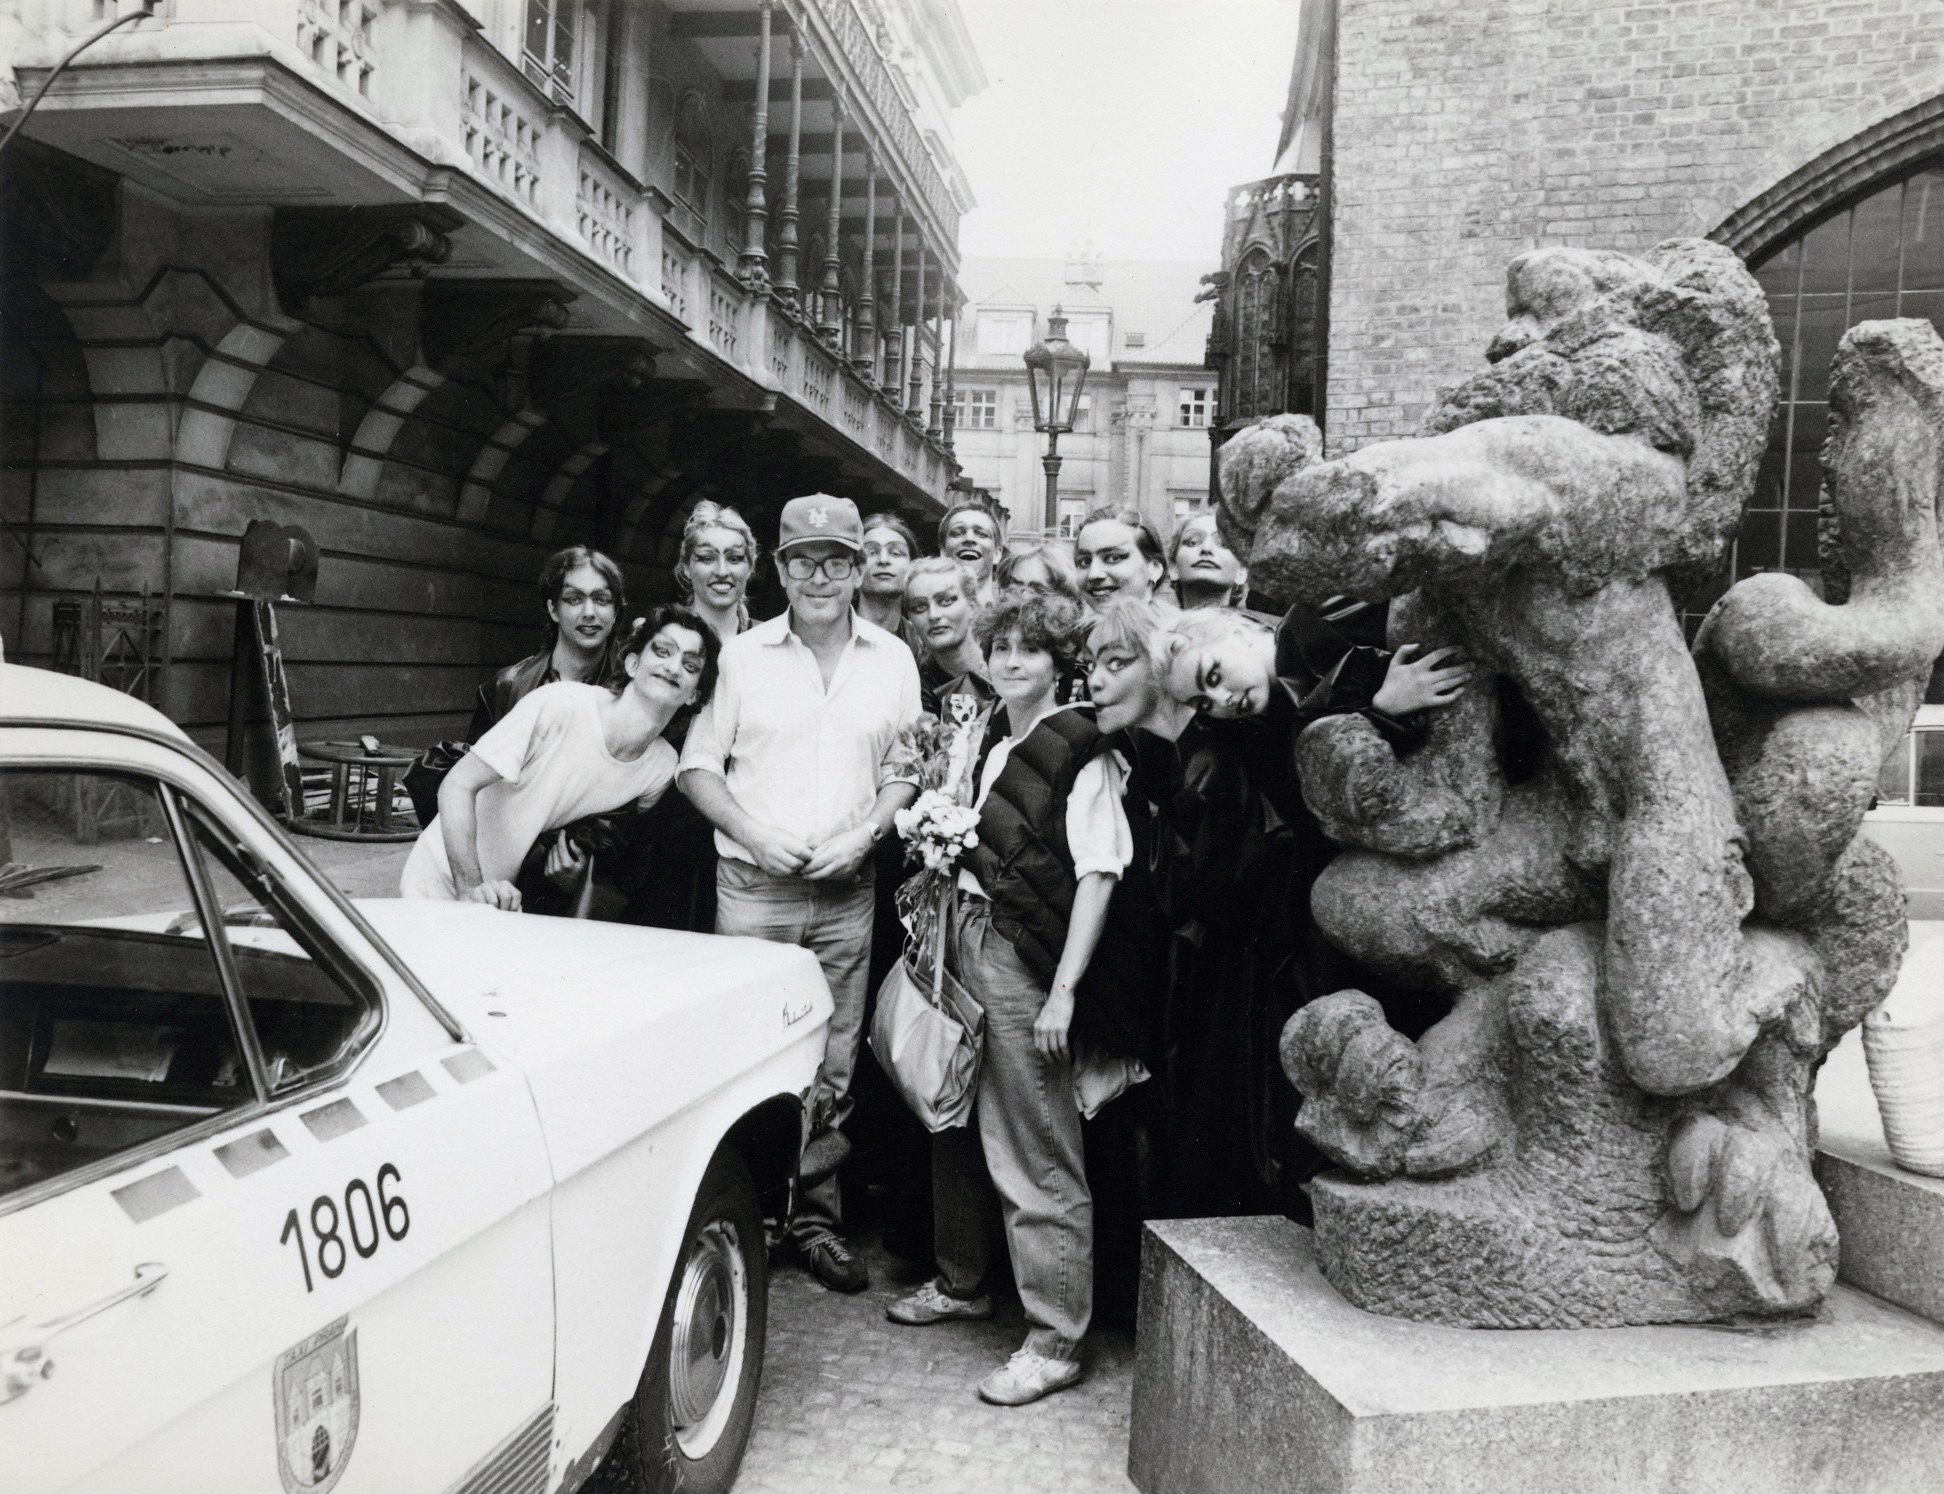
x=478 y=960
x=616 y=1027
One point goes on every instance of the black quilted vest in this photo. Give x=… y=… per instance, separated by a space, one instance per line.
x=1025 y=865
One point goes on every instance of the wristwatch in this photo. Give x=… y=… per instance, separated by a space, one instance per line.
x=877 y=831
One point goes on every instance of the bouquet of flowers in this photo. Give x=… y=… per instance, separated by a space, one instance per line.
x=937 y=830
x=940 y=826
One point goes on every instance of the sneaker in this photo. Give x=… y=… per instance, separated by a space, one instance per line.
x=831 y=1262
x=1026 y=1377
x=929 y=1305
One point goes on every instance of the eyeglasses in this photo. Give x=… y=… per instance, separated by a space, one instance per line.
x=834 y=567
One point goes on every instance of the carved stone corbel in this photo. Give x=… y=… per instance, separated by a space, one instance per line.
x=458 y=317
x=329 y=251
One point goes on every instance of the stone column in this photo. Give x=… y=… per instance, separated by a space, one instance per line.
x=786 y=215
x=864 y=355
x=914 y=411
x=830 y=311
x=951 y=359
x=932 y=426
x=894 y=360
x=755 y=257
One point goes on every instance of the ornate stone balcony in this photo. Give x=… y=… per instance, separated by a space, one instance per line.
x=328 y=103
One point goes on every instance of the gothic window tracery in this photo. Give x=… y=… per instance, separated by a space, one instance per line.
x=1259 y=334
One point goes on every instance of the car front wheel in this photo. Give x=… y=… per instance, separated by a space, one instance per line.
x=697 y=1397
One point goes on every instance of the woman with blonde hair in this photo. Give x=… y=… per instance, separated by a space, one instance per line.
x=1039 y=566
x=718 y=556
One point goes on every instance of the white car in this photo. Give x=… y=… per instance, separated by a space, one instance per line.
x=301 y=1194
x=1907 y=819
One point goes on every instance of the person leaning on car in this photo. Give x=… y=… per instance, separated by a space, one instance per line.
x=788 y=763
x=584 y=595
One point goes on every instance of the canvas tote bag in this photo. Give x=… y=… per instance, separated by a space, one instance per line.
x=928 y=1032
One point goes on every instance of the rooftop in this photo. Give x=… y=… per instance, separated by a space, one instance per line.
x=1150 y=304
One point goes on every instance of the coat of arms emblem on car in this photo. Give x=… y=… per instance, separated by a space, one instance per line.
x=316 y=1385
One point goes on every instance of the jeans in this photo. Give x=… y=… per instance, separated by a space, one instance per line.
x=833 y=921
x=1025 y=1163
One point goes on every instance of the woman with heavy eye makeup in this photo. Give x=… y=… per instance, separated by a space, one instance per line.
x=665 y=859
x=1117 y=554
x=940 y=607
x=1247 y=852
x=719 y=555
x=1207 y=573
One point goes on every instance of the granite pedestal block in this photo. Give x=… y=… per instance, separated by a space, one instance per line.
x=1890 y=1222
x=1253 y=1376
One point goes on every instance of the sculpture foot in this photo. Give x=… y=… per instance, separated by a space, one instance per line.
x=1748 y=1219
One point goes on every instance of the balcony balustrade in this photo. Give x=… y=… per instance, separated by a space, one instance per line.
x=427 y=77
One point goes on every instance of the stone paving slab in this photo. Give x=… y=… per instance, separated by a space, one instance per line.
x=853 y=1401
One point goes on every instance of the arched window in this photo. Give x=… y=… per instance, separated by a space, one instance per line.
x=735 y=201
x=1883 y=256
x=1259 y=337
x=1303 y=342
x=694 y=151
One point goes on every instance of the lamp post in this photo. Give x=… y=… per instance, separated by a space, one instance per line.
x=1055 y=370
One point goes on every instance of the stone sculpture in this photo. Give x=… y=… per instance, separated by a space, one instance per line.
x=1634 y=868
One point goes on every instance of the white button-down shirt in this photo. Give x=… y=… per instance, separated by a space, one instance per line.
x=796 y=755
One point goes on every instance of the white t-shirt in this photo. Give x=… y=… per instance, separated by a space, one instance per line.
x=554 y=768
x=1096 y=822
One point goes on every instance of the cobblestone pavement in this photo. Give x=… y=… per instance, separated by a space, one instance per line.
x=852 y=1401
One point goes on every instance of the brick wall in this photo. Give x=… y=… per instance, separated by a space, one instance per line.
x=1465 y=134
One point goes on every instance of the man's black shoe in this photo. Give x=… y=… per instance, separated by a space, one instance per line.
x=831 y=1262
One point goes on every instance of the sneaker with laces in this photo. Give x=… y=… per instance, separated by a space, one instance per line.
x=830 y=1260
x=930 y=1305
x=1026 y=1377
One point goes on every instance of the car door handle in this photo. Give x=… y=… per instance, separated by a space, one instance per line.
x=21 y=1364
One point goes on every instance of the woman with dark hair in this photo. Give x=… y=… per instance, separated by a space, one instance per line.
x=1034 y=895
x=566 y=751
x=889 y=549
x=1118 y=554
x=584 y=594
x=718 y=556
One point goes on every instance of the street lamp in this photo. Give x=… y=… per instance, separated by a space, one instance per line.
x=1055 y=370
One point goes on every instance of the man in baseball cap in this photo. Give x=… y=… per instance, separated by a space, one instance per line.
x=787 y=762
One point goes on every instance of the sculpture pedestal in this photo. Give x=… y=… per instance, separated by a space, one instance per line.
x=1253 y=1373
x=1891 y=1222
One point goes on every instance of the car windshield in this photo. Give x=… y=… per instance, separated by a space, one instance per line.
x=116 y=1030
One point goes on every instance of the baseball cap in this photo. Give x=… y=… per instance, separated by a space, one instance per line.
x=819 y=516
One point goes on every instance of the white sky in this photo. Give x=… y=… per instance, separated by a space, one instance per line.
x=1119 y=121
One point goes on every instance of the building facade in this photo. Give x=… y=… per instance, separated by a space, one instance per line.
x=1437 y=143
x=450 y=284
x=1147 y=404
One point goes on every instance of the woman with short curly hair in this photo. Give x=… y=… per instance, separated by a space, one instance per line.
x=1034 y=893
